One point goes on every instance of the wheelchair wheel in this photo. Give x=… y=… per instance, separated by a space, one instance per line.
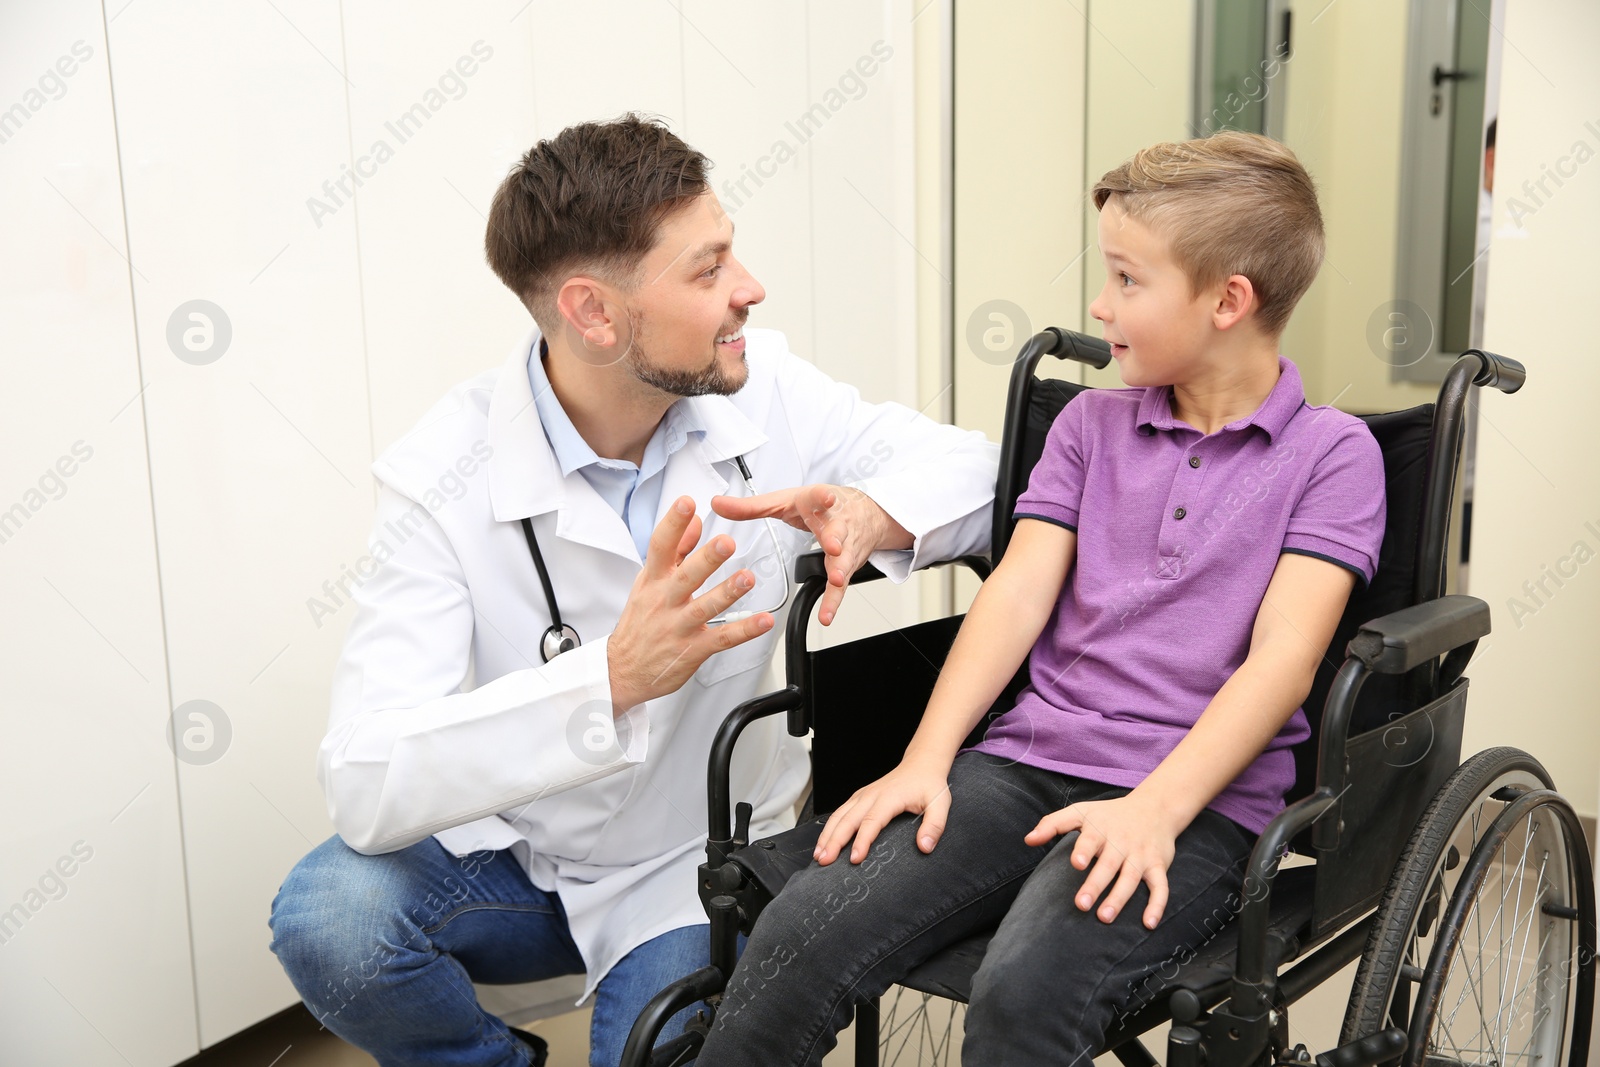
x=918 y=1029
x=1483 y=946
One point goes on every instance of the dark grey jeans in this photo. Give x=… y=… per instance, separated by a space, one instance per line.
x=1054 y=977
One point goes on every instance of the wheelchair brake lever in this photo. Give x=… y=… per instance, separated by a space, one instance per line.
x=741 y=824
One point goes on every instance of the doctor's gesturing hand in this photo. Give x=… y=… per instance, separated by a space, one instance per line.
x=847 y=523
x=662 y=637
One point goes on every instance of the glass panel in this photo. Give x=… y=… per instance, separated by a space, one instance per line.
x=1465 y=188
x=1235 y=87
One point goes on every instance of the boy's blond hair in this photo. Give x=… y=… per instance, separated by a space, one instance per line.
x=1231 y=203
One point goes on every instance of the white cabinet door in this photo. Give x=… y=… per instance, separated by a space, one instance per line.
x=232 y=119
x=94 y=939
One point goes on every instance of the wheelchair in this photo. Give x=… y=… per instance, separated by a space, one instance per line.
x=1464 y=889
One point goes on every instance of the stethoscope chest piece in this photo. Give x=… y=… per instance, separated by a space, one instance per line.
x=556 y=640
x=558 y=637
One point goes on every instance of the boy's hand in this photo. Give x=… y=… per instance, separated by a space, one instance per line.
x=915 y=787
x=1130 y=835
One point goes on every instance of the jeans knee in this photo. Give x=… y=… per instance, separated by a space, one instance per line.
x=1018 y=1014
x=338 y=918
x=1008 y=987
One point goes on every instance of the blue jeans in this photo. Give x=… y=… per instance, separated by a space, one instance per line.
x=1053 y=978
x=384 y=951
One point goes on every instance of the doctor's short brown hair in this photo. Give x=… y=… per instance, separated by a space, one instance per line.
x=588 y=200
x=1232 y=203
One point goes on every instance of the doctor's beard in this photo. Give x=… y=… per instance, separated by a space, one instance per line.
x=710 y=380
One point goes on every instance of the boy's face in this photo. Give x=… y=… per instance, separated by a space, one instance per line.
x=691 y=292
x=1158 y=331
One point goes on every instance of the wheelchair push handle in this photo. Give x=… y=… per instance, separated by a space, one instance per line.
x=1069 y=344
x=1501 y=372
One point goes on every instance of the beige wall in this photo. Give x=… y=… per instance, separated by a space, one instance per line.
x=932 y=33
x=1019 y=69
x=1141 y=62
x=1535 y=679
x=1018 y=184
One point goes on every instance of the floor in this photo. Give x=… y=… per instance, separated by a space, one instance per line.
x=294 y=1039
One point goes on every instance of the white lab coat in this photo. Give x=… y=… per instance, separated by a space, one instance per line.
x=444 y=719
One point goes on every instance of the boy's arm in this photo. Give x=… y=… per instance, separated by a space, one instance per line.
x=1296 y=621
x=1004 y=621
x=1134 y=835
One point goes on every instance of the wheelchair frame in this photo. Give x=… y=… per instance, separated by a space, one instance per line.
x=1240 y=1019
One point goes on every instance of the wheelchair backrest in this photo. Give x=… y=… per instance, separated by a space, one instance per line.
x=1404 y=437
x=863 y=713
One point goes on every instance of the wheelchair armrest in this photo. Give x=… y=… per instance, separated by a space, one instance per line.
x=810 y=571
x=813 y=566
x=1410 y=637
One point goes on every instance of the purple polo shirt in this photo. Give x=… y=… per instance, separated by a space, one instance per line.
x=1178 y=536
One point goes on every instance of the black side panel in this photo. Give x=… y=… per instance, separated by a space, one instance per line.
x=870 y=695
x=1394 y=773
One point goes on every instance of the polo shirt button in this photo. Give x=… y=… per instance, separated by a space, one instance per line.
x=1180 y=513
x=1194 y=461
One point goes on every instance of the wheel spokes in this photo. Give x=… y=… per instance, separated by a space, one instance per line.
x=1511 y=978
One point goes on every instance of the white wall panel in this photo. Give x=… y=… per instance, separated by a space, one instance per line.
x=94 y=941
x=232 y=118
x=860 y=119
x=863 y=188
x=228 y=487
x=598 y=59
x=435 y=313
x=744 y=84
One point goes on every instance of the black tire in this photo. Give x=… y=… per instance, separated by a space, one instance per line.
x=1461 y=812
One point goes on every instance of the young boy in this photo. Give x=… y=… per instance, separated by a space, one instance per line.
x=1182 y=555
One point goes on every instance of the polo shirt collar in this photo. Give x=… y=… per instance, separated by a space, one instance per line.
x=1287 y=397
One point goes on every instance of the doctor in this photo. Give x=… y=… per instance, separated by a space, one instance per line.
x=585 y=557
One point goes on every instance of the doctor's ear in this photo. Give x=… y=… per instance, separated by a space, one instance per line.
x=592 y=320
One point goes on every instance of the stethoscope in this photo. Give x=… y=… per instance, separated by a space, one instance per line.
x=559 y=637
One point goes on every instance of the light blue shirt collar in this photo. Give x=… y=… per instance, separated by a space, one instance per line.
x=633 y=492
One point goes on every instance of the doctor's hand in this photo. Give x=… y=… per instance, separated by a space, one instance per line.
x=847 y=523
x=662 y=637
